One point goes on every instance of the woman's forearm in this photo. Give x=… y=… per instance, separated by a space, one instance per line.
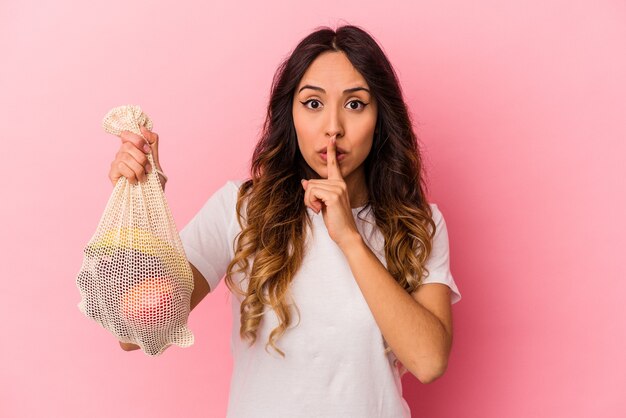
x=416 y=336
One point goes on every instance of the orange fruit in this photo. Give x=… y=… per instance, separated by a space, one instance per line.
x=149 y=302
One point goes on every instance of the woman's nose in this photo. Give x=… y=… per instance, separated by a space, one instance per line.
x=334 y=125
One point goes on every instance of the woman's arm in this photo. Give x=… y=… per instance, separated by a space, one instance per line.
x=416 y=335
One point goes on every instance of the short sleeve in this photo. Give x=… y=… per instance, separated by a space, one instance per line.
x=438 y=262
x=208 y=237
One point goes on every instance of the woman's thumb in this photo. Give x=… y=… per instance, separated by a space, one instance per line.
x=151 y=137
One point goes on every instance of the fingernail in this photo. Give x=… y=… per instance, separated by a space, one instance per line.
x=147 y=148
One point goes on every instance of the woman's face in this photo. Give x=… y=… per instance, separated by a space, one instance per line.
x=333 y=98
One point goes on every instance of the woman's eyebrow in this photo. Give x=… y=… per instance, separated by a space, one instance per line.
x=350 y=90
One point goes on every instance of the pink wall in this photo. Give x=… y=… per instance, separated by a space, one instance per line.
x=521 y=110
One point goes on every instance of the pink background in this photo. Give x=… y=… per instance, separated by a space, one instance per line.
x=520 y=107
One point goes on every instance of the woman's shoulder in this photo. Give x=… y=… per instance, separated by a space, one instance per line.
x=225 y=196
x=230 y=189
x=236 y=181
x=436 y=212
x=233 y=183
x=232 y=186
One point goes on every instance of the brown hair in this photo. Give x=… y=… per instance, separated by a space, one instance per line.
x=272 y=232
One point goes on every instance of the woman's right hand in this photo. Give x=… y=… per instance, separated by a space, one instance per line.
x=131 y=160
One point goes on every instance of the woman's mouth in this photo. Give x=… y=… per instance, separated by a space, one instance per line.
x=340 y=156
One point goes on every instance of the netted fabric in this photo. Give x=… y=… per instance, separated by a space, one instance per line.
x=135 y=279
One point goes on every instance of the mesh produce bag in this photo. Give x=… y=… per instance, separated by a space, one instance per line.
x=135 y=279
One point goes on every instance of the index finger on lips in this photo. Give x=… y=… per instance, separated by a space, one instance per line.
x=138 y=141
x=331 y=160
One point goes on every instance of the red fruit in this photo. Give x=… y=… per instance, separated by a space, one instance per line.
x=150 y=302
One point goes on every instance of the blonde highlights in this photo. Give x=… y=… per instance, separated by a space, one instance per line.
x=269 y=250
x=274 y=221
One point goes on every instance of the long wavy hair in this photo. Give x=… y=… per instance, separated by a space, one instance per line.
x=275 y=222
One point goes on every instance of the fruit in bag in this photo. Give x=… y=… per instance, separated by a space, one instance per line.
x=140 y=241
x=135 y=280
x=149 y=302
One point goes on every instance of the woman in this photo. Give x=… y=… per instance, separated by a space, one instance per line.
x=332 y=227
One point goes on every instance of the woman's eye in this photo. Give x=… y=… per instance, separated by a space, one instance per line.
x=309 y=101
x=357 y=103
x=353 y=104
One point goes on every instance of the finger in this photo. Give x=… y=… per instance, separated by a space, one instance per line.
x=138 y=141
x=150 y=136
x=306 y=184
x=310 y=201
x=136 y=154
x=153 y=140
x=138 y=169
x=126 y=153
x=326 y=182
x=317 y=194
x=326 y=185
x=331 y=160
x=123 y=170
x=335 y=190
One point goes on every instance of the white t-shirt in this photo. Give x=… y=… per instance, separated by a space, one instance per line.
x=335 y=366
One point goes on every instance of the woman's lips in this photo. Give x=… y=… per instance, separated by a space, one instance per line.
x=340 y=156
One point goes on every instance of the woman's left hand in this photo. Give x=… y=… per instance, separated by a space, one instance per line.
x=331 y=197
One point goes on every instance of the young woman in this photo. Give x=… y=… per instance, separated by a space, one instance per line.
x=334 y=230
